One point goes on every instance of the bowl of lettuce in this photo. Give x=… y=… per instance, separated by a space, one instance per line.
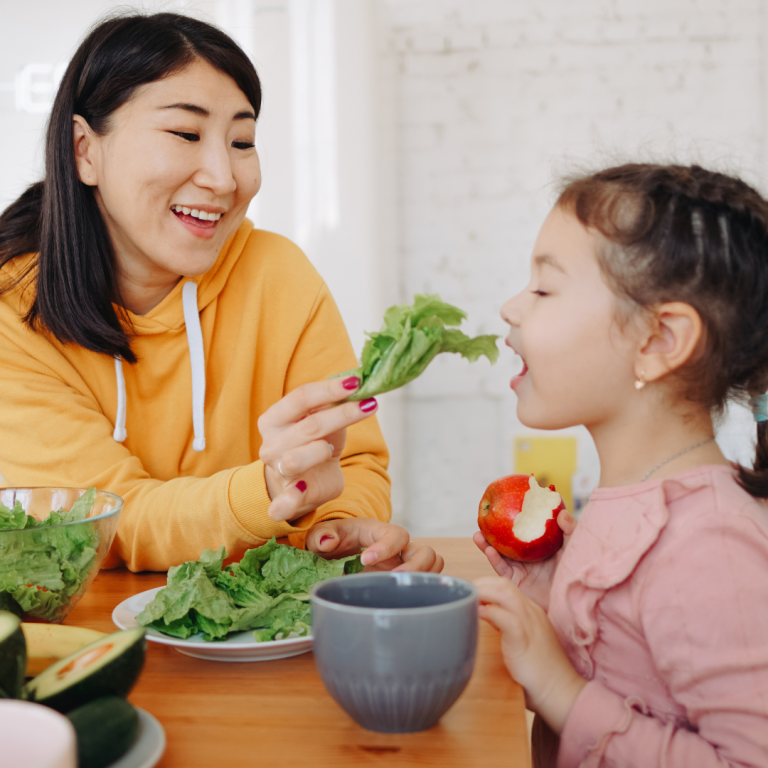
x=52 y=544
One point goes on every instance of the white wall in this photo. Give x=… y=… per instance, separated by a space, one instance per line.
x=495 y=99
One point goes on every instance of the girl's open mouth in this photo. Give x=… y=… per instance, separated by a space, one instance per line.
x=520 y=376
x=200 y=223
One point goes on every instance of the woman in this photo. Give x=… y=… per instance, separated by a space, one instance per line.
x=154 y=344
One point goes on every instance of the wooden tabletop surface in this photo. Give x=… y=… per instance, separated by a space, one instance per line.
x=279 y=713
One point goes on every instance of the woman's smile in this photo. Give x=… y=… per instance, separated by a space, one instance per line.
x=200 y=221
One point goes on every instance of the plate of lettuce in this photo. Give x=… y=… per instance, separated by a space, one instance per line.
x=254 y=610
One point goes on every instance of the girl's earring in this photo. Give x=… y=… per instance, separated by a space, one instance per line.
x=640 y=381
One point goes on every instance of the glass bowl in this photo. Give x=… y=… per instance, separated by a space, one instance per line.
x=47 y=569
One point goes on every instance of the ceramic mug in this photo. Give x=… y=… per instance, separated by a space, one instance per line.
x=34 y=736
x=395 y=649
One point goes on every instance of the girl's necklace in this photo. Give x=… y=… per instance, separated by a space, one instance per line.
x=671 y=458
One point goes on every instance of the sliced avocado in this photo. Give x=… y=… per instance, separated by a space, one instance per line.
x=106 y=729
x=13 y=655
x=8 y=603
x=108 y=666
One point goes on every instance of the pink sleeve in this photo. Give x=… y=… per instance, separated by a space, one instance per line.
x=704 y=613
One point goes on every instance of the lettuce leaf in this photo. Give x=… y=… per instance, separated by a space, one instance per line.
x=267 y=591
x=409 y=340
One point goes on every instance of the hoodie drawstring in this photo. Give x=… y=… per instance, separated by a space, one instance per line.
x=197 y=361
x=120 y=434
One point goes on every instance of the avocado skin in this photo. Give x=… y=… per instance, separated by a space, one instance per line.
x=13 y=662
x=106 y=729
x=116 y=678
x=8 y=603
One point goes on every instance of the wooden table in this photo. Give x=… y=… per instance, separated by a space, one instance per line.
x=279 y=713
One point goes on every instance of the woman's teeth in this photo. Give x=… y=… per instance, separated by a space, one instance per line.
x=202 y=215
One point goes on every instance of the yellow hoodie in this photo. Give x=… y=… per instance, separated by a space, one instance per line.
x=269 y=324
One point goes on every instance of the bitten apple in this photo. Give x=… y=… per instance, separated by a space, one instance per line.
x=519 y=518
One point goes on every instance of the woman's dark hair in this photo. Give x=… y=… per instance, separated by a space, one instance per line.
x=58 y=218
x=678 y=233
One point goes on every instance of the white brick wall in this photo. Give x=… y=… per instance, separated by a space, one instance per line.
x=494 y=100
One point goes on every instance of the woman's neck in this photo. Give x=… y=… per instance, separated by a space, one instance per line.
x=143 y=298
x=647 y=440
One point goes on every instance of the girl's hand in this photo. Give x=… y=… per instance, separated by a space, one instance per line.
x=304 y=435
x=387 y=547
x=534 y=579
x=531 y=649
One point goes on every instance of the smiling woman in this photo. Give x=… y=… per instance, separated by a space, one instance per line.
x=154 y=344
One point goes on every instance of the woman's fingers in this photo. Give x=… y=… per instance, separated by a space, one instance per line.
x=306 y=399
x=307 y=492
x=420 y=559
x=317 y=426
x=288 y=504
x=299 y=460
x=387 y=541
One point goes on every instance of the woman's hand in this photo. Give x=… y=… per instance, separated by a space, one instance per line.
x=531 y=650
x=304 y=435
x=534 y=579
x=387 y=547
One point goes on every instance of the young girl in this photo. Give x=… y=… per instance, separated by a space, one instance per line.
x=644 y=642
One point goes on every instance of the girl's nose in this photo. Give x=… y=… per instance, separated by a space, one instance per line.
x=510 y=311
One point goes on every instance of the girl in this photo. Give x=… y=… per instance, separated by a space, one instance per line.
x=644 y=642
x=154 y=344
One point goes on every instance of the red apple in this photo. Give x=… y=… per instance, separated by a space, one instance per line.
x=519 y=518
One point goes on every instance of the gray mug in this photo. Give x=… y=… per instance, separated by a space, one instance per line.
x=395 y=649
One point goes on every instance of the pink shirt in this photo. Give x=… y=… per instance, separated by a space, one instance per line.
x=661 y=602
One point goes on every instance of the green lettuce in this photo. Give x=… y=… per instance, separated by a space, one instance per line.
x=408 y=341
x=267 y=591
x=46 y=566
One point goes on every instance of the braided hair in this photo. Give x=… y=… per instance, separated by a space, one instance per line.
x=683 y=233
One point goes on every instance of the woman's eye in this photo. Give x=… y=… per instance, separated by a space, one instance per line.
x=243 y=145
x=540 y=293
x=186 y=136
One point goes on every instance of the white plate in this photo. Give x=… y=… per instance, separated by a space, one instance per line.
x=148 y=747
x=239 y=646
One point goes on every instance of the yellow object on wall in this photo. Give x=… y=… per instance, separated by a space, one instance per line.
x=551 y=459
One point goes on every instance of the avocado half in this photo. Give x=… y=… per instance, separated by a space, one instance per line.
x=109 y=666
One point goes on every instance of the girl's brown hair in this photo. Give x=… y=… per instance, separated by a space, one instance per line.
x=683 y=233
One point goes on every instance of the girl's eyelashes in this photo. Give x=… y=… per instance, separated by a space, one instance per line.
x=539 y=293
x=243 y=145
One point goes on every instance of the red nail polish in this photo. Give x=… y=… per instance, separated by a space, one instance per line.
x=351 y=383
x=301 y=485
x=324 y=538
x=368 y=405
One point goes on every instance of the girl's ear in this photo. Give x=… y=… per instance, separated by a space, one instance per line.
x=671 y=339
x=84 y=150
